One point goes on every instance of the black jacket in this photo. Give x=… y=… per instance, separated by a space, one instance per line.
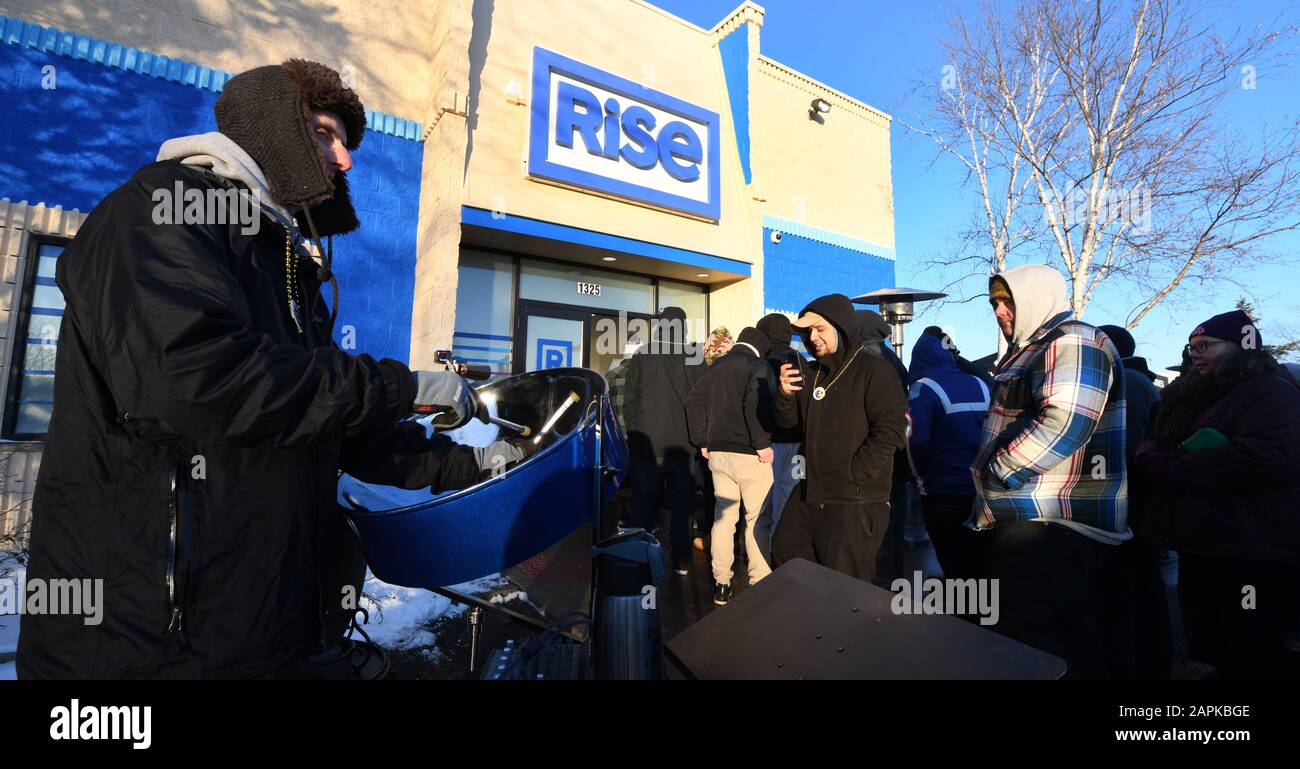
x=1237 y=500
x=730 y=407
x=778 y=354
x=659 y=380
x=193 y=455
x=850 y=436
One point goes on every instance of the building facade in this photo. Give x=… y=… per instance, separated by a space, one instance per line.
x=537 y=178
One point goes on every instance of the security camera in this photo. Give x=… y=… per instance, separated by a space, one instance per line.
x=776 y=237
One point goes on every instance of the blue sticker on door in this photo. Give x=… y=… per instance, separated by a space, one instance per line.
x=554 y=353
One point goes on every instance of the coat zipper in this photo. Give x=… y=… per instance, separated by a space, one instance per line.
x=173 y=540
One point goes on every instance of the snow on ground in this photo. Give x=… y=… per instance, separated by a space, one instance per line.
x=400 y=616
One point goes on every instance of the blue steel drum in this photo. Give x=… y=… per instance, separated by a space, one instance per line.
x=474 y=532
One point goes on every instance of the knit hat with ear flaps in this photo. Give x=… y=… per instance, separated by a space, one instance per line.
x=267 y=112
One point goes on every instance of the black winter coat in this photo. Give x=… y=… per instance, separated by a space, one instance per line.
x=730 y=407
x=193 y=454
x=850 y=436
x=778 y=355
x=659 y=380
x=1238 y=500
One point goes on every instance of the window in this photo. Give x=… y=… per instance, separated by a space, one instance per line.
x=577 y=284
x=694 y=302
x=35 y=331
x=485 y=301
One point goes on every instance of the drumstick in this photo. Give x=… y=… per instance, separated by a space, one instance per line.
x=488 y=400
x=523 y=430
x=571 y=399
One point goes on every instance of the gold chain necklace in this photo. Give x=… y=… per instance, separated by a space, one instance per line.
x=820 y=392
x=291 y=278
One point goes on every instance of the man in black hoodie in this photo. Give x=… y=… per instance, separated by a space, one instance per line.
x=854 y=417
x=730 y=414
x=659 y=380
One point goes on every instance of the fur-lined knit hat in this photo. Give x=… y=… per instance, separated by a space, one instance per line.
x=267 y=111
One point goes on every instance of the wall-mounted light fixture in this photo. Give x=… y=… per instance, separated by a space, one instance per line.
x=818 y=107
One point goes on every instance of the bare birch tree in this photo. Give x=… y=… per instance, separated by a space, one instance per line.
x=1093 y=135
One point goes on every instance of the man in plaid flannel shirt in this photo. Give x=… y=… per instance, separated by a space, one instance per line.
x=1050 y=475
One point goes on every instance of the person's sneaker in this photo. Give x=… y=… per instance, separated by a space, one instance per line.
x=681 y=567
x=721 y=593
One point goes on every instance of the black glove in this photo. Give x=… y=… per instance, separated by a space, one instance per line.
x=447 y=394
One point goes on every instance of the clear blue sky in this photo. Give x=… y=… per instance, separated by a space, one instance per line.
x=874 y=51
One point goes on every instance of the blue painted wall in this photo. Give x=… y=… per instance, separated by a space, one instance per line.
x=798 y=270
x=75 y=143
x=734 y=50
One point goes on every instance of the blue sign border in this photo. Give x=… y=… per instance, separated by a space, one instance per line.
x=546 y=62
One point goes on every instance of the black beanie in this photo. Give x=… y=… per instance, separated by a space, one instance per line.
x=1234 y=326
x=267 y=112
x=1122 y=338
x=776 y=327
x=756 y=339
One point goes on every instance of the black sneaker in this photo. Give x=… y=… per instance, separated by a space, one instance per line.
x=721 y=593
x=682 y=566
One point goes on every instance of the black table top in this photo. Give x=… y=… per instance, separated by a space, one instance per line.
x=807 y=621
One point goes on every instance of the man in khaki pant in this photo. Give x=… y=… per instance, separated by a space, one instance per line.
x=729 y=418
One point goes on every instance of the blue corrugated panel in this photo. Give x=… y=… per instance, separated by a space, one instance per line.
x=29 y=35
x=13 y=30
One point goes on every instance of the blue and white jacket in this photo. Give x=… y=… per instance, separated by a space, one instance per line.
x=947 y=409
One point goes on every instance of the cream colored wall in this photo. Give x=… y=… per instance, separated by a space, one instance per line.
x=433 y=310
x=834 y=175
x=385 y=43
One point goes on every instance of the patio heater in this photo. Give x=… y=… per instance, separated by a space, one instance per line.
x=896 y=308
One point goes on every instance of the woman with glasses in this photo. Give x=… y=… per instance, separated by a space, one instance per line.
x=1224 y=471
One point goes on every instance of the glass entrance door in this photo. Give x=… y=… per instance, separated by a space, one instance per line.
x=553 y=338
x=556 y=336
